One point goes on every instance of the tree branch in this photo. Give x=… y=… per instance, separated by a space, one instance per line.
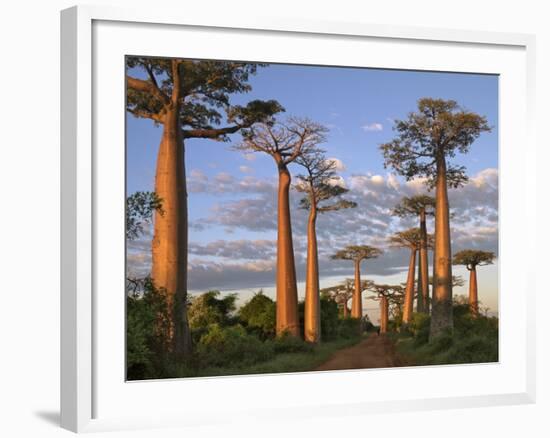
x=211 y=132
x=145 y=114
x=146 y=86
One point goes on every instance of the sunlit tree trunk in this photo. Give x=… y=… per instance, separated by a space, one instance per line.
x=423 y=275
x=384 y=310
x=169 y=246
x=346 y=310
x=356 y=304
x=419 y=297
x=442 y=297
x=287 y=294
x=312 y=309
x=409 y=290
x=472 y=298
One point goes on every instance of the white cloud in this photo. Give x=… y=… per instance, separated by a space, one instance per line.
x=393 y=182
x=198 y=175
x=243 y=263
x=338 y=164
x=225 y=178
x=338 y=181
x=375 y=126
x=249 y=157
x=246 y=169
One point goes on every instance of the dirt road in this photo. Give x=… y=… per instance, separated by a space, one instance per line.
x=377 y=351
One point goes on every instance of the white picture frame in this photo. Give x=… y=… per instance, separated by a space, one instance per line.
x=86 y=378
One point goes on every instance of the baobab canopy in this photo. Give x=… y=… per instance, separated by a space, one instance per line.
x=472 y=258
x=439 y=129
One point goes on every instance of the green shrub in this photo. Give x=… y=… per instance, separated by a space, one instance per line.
x=258 y=316
x=291 y=344
x=329 y=319
x=207 y=309
x=147 y=326
x=420 y=328
x=473 y=339
x=226 y=346
x=349 y=327
x=442 y=342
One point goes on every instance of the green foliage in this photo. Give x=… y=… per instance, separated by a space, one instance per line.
x=205 y=87
x=411 y=238
x=437 y=130
x=146 y=327
x=139 y=211
x=357 y=252
x=349 y=328
x=258 y=315
x=329 y=319
x=415 y=205
x=472 y=340
x=291 y=344
x=420 y=328
x=472 y=258
x=227 y=346
x=208 y=309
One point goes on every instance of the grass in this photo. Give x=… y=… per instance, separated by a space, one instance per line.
x=280 y=363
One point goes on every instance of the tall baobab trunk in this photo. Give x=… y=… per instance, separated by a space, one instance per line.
x=442 y=296
x=384 y=310
x=356 y=304
x=472 y=298
x=409 y=290
x=423 y=280
x=169 y=270
x=312 y=308
x=419 y=297
x=287 y=293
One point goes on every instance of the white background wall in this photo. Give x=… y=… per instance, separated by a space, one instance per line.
x=29 y=218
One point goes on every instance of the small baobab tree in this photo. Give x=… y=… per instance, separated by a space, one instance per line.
x=419 y=206
x=387 y=295
x=340 y=294
x=411 y=239
x=357 y=253
x=472 y=258
x=323 y=194
x=343 y=292
x=285 y=143
x=425 y=141
x=190 y=99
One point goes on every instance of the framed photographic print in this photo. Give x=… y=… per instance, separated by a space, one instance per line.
x=266 y=216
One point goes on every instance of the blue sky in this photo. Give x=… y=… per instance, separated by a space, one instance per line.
x=358 y=106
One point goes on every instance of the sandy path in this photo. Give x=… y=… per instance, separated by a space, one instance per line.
x=377 y=351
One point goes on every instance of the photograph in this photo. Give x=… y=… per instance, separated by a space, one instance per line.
x=285 y=218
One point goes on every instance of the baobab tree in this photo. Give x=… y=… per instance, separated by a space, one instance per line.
x=425 y=141
x=340 y=294
x=357 y=253
x=386 y=294
x=343 y=292
x=285 y=143
x=323 y=194
x=411 y=239
x=472 y=258
x=190 y=99
x=419 y=206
